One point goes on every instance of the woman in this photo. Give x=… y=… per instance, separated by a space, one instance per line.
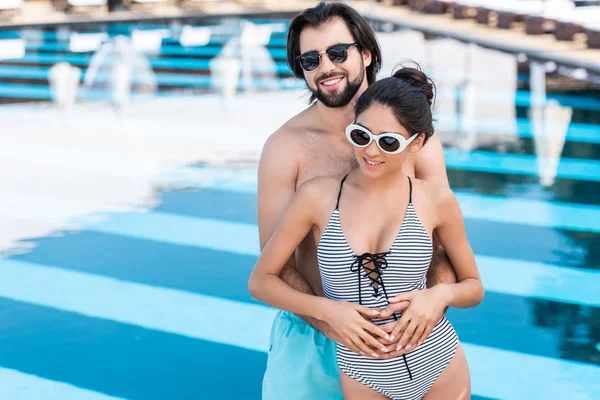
x=370 y=253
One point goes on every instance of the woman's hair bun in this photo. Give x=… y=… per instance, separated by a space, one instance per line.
x=416 y=78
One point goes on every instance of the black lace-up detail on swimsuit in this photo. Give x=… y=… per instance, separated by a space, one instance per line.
x=372 y=265
x=349 y=277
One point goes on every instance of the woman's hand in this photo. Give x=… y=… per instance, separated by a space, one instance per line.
x=351 y=323
x=425 y=310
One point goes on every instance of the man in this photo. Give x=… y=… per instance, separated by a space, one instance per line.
x=335 y=51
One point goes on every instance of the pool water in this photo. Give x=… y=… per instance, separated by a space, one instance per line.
x=153 y=304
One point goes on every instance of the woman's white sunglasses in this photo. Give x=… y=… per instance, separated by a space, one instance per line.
x=390 y=143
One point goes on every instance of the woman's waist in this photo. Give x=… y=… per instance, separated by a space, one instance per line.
x=367 y=295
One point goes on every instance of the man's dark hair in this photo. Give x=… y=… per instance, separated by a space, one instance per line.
x=321 y=14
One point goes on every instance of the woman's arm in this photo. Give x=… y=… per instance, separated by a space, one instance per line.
x=427 y=306
x=468 y=291
x=266 y=285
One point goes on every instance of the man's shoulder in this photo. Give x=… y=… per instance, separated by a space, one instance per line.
x=318 y=188
x=289 y=135
x=435 y=192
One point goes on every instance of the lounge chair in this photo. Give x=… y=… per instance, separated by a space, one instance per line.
x=592 y=32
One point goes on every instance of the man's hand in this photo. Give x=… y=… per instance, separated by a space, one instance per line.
x=440 y=270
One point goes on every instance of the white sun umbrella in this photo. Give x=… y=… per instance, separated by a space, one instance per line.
x=117 y=71
x=488 y=101
x=550 y=123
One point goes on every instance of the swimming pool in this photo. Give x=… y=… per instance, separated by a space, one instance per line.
x=142 y=294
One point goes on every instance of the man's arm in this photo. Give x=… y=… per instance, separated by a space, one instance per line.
x=277 y=175
x=430 y=165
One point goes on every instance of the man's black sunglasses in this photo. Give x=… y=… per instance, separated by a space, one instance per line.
x=337 y=53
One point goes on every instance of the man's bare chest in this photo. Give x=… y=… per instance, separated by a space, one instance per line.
x=325 y=161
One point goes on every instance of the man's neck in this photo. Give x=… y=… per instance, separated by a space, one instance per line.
x=335 y=120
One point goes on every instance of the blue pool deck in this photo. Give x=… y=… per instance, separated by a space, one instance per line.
x=131 y=237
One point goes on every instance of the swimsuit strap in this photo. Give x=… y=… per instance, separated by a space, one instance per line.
x=340 y=192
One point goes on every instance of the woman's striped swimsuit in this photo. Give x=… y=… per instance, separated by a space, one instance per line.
x=370 y=279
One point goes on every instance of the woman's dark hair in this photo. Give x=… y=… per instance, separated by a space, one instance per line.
x=409 y=93
x=321 y=14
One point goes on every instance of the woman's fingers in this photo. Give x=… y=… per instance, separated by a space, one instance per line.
x=403 y=297
x=363 y=340
x=412 y=342
x=400 y=326
x=408 y=334
x=353 y=347
x=394 y=308
x=367 y=312
x=425 y=334
x=375 y=330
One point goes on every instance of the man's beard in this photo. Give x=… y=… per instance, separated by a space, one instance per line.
x=336 y=100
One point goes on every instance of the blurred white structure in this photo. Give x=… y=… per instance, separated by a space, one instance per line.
x=86 y=42
x=12 y=48
x=253 y=48
x=96 y=161
x=489 y=97
x=148 y=40
x=194 y=36
x=246 y=55
x=225 y=76
x=550 y=123
x=117 y=71
x=448 y=66
x=401 y=47
x=11 y=4
x=87 y=3
x=64 y=82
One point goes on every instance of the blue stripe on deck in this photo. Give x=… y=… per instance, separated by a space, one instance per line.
x=501 y=320
x=485 y=127
x=16 y=385
x=537 y=280
x=169 y=50
x=525 y=187
x=570 y=216
x=186 y=268
x=521 y=164
x=123 y=360
x=151 y=307
x=528 y=243
x=247 y=326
